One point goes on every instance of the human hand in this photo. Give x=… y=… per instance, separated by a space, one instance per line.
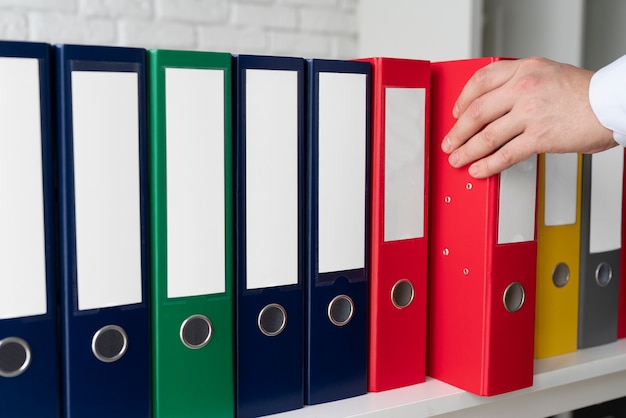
x=512 y=109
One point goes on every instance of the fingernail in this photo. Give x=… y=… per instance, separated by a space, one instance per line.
x=453 y=159
x=446 y=145
x=455 y=111
x=473 y=170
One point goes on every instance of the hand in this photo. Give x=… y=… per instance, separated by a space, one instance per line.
x=512 y=109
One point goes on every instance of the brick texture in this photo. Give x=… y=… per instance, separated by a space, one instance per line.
x=62 y=28
x=309 y=28
x=193 y=11
x=13 y=26
x=117 y=8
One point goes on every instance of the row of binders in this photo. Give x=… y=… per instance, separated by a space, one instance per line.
x=189 y=234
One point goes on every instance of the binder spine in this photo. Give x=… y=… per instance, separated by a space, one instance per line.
x=337 y=297
x=192 y=293
x=29 y=341
x=599 y=268
x=90 y=370
x=269 y=314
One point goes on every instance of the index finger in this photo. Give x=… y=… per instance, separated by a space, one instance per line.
x=483 y=81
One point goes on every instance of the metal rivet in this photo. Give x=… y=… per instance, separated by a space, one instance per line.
x=468 y=186
x=447 y=199
x=402 y=294
x=604 y=274
x=340 y=310
x=514 y=297
x=560 y=275
x=466 y=271
x=272 y=319
x=446 y=251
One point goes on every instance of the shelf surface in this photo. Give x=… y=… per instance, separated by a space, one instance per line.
x=561 y=383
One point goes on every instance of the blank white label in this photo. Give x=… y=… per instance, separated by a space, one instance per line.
x=105 y=111
x=404 y=163
x=22 y=245
x=194 y=119
x=518 y=193
x=607 y=174
x=271 y=178
x=342 y=141
x=560 y=191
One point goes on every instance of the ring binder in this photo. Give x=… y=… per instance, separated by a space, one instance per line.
x=29 y=354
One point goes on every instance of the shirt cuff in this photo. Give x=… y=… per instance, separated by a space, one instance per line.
x=607 y=96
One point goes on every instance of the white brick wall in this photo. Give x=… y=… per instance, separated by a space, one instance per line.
x=13 y=25
x=69 y=6
x=156 y=34
x=226 y=38
x=260 y=15
x=309 y=28
x=193 y=11
x=70 y=28
x=143 y=9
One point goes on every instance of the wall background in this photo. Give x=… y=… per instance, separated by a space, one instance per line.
x=308 y=28
x=581 y=32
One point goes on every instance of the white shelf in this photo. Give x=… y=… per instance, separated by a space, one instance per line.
x=561 y=383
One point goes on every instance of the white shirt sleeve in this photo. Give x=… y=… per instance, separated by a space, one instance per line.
x=607 y=96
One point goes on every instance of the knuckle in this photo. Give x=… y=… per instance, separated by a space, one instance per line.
x=481 y=76
x=534 y=61
x=488 y=137
x=532 y=64
x=526 y=82
x=475 y=109
x=505 y=156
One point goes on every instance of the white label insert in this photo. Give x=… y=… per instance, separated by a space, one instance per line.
x=342 y=152
x=194 y=120
x=271 y=178
x=605 y=222
x=22 y=242
x=105 y=112
x=560 y=191
x=517 y=202
x=405 y=113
